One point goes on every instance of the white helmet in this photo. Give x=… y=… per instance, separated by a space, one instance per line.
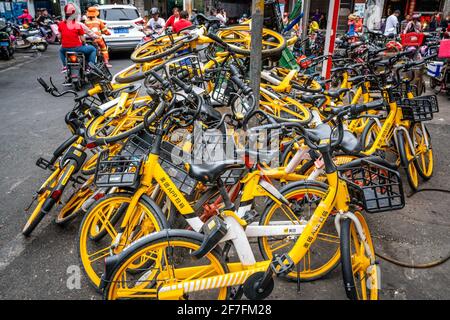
x=154 y=11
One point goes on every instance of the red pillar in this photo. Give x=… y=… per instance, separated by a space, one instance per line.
x=330 y=37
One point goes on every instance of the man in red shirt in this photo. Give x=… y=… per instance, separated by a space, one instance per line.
x=71 y=32
x=182 y=23
x=173 y=18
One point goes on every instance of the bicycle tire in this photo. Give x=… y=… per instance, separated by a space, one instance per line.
x=420 y=170
x=161 y=55
x=346 y=260
x=164 y=236
x=85 y=227
x=412 y=177
x=333 y=262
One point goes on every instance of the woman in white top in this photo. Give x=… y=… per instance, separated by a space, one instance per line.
x=222 y=16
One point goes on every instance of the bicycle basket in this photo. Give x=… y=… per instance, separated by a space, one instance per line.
x=420 y=108
x=138 y=145
x=222 y=87
x=172 y=159
x=117 y=171
x=374 y=187
x=186 y=68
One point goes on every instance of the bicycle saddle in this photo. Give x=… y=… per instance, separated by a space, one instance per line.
x=210 y=172
x=349 y=144
x=374 y=159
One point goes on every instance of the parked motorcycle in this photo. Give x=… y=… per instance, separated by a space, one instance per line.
x=29 y=38
x=49 y=30
x=6 y=40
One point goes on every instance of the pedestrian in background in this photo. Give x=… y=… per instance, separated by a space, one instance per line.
x=316 y=15
x=391 y=27
x=322 y=22
x=182 y=23
x=404 y=23
x=413 y=25
x=222 y=16
x=155 y=24
x=173 y=18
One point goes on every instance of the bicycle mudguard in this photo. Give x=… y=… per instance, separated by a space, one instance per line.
x=63 y=147
x=112 y=262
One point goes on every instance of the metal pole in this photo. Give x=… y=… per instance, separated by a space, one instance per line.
x=256 y=46
x=306 y=7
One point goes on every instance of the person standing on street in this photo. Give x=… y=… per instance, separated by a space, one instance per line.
x=193 y=17
x=99 y=28
x=172 y=19
x=391 y=27
x=222 y=16
x=413 y=25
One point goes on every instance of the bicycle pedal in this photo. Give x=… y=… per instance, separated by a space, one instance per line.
x=31 y=203
x=43 y=163
x=282 y=264
x=214 y=230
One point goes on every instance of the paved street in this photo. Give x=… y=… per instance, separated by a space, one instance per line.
x=36 y=268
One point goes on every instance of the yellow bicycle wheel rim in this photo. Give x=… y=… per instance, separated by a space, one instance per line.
x=307 y=272
x=98 y=220
x=120 y=289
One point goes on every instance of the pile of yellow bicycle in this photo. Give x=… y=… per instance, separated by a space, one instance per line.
x=177 y=171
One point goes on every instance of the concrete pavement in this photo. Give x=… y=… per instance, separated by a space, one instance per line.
x=37 y=268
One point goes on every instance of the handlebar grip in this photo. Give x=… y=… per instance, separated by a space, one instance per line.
x=44 y=84
x=359 y=108
x=241 y=84
x=165 y=83
x=186 y=88
x=217 y=39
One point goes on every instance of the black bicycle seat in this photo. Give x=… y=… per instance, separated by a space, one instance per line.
x=210 y=172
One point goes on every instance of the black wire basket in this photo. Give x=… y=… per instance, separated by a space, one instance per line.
x=123 y=169
x=374 y=187
x=117 y=170
x=223 y=87
x=420 y=108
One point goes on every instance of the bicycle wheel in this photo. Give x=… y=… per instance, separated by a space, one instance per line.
x=169 y=262
x=50 y=197
x=238 y=39
x=360 y=276
x=43 y=194
x=136 y=72
x=323 y=255
x=369 y=134
x=407 y=161
x=109 y=128
x=424 y=154
x=73 y=205
x=435 y=85
x=100 y=226
x=157 y=49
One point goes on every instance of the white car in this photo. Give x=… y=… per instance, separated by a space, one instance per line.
x=125 y=25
